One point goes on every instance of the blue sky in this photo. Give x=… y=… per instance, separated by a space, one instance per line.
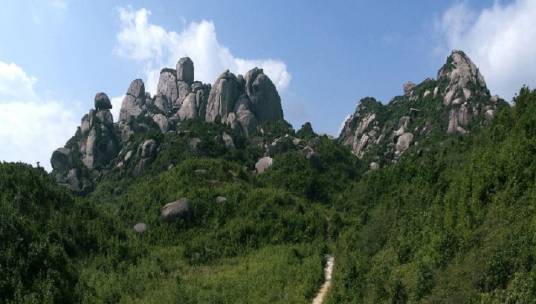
x=56 y=54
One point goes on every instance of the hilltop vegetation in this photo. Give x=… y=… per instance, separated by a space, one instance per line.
x=429 y=198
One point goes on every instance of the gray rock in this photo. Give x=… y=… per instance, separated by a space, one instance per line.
x=222 y=97
x=221 y=199
x=404 y=141
x=85 y=124
x=228 y=140
x=74 y=182
x=265 y=101
x=140 y=228
x=179 y=209
x=188 y=108
x=162 y=104
x=102 y=102
x=167 y=86
x=194 y=143
x=184 y=90
x=245 y=117
x=374 y=166
x=61 y=160
x=137 y=89
x=185 y=70
x=148 y=149
x=263 y=164
x=162 y=122
x=408 y=87
x=105 y=117
x=131 y=108
x=309 y=152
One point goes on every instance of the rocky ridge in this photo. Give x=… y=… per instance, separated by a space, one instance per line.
x=100 y=145
x=454 y=103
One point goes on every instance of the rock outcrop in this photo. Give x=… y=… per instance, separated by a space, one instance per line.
x=179 y=209
x=453 y=104
x=101 y=145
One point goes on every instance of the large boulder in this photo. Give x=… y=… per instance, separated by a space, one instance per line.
x=222 y=97
x=246 y=119
x=133 y=102
x=188 y=108
x=61 y=160
x=99 y=147
x=102 y=102
x=148 y=148
x=266 y=103
x=167 y=86
x=140 y=228
x=185 y=70
x=263 y=164
x=105 y=117
x=179 y=209
x=162 y=122
x=404 y=141
x=136 y=89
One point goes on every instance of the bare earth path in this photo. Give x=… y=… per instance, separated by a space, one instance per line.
x=328 y=269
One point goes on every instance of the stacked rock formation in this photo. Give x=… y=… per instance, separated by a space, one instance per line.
x=453 y=104
x=100 y=145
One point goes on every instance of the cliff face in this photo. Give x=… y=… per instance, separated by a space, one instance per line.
x=100 y=145
x=455 y=103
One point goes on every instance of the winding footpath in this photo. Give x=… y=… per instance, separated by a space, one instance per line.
x=323 y=292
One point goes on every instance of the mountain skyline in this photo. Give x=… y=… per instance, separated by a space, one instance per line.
x=40 y=104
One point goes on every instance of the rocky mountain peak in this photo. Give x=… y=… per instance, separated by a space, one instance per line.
x=100 y=145
x=462 y=78
x=455 y=103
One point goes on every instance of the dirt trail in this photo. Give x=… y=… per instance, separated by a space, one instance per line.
x=323 y=292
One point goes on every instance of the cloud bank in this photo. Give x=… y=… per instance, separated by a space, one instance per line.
x=501 y=40
x=156 y=47
x=30 y=126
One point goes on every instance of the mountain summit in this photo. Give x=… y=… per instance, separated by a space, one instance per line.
x=101 y=145
x=454 y=103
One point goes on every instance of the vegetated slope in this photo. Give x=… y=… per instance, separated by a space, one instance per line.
x=436 y=207
x=454 y=225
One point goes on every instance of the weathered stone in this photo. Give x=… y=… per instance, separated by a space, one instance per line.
x=130 y=108
x=179 y=209
x=140 y=228
x=244 y=116
x=265 y=101
x=148 y=149
x=74 y=182
x=222 y=97
x=221 y=199
x=185 y=70
x=162 y=122
x=105 y=117
x=162 y=103
x=61 y=160
x=408 y=87
x=404 y=141
x=263 y=164
x=228 y=140
x=136 y=89
x=188 y=108
x=102 y=102
x=184 y=90
x=374 y=166
x=194 y=143
x=167 y=86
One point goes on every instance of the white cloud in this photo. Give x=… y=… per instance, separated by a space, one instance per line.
x=59 y=4
x=116 y=106
x=501 y=40
x=156 y=47
x=30 y=127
